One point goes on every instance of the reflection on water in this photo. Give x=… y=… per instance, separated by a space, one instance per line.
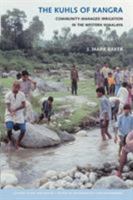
x=32 y=163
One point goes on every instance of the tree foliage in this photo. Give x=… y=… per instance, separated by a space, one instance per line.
x=14 y=35
x=64 y=47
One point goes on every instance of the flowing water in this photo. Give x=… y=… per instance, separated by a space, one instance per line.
x=31 y=164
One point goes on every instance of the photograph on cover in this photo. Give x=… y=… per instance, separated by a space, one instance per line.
x=66 y=94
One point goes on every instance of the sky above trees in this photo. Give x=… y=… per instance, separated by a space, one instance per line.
x=30 y=7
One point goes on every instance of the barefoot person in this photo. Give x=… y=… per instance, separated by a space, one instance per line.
x=125 y=125
x=47 y=109
x=105 y=113
x=14 y=116
x=125 y=150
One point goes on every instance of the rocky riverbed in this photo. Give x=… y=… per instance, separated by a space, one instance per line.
x=77 y=178
x=84 y=163
x=88 y=177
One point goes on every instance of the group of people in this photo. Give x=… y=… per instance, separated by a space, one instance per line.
x=115 y=96
x=18 y=107
x=116 y=103
x=112 y=79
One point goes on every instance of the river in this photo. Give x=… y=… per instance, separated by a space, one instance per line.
x=31 y=164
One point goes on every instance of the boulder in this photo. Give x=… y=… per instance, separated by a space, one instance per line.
x=56 y=86
x=78 y=175
x=48 y=86
x=40 y=84
x=66 y=137
x=82 y=187
x=91 y=104
x=48 y=185
x=130 y=164
x=9 y=187
x=36 y=93
x=61 y=183
x=38 y=136
x=111 y=182
x=50 y=174
x=82 y=133
x=13 y=187
x=92 y=177
x=54 y=178
x=3 y=159
x=42 y=181
x=72 y=171
x=8 y=178
x=88 y=185
x=68 y=185
x=126 y=169
x=130 y=157
x=68 y=179
x=13 y=73
x=129 y=183
x=130 y=175
x=84 y=179
x=5 y=75
x=62 y=175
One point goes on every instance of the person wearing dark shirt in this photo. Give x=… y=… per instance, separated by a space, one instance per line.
x=47 y=109
x=74 y=79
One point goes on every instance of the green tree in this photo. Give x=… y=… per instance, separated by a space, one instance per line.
x=12 y=24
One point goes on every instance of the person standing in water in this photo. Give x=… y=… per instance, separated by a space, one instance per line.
x=123 y=96
x=105 y=113
x=125 y=125
x=127 y=148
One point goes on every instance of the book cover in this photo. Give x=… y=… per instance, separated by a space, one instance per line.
x=66 y=99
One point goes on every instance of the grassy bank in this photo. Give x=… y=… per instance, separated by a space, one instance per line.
x=68 y=122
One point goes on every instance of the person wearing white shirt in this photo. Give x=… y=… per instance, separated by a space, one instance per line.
x=123 y=96
x=105 y=71
x=14 y=114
